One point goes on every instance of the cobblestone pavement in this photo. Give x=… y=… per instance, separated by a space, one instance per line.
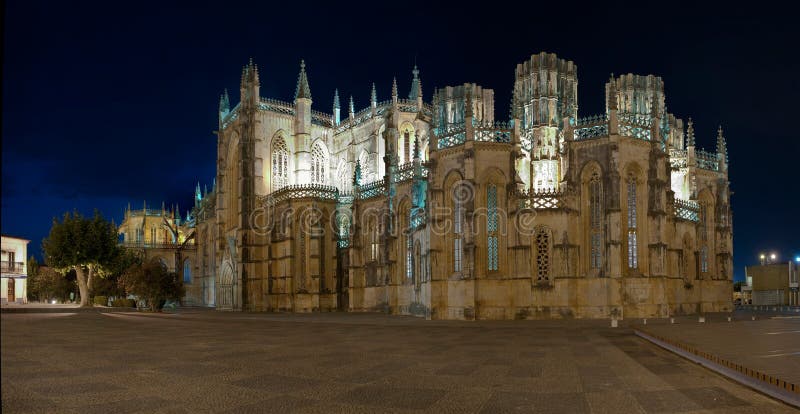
x=200 y=361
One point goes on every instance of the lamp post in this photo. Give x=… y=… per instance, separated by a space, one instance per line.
x=761 y=258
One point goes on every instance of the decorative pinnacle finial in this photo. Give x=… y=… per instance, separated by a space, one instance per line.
x=612 y=93
x=721 y=145
x=303 y=91
x=690 y=133
x=224 y=102
x=394 y=88
x=336 y=104
x=352 y=105
x=416 y=87
x=373 y=97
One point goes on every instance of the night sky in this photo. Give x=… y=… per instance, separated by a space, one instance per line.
x=105 y=105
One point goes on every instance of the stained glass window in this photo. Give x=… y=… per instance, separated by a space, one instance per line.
x=596 y=211
x=491 y=227
x=633 y=260
x=458 y=250
x=280 y=164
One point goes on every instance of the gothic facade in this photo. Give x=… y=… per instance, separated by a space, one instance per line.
x=439 y=209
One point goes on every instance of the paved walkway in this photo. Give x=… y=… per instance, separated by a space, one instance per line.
x=199 y=361
x=770 y=346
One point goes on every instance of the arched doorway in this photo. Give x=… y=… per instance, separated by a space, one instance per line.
x=226 y=287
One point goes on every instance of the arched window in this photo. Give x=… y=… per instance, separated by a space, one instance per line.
x=367 y=168
x=344 y=178
x=596 y=220
x=280 y=164
x=703 y=238
x=491 y=228
x=542 y=255
x=374 y=241
x=633 y=261
x=417 y=264
x=187 y=271
x=319 y=161
x=458 y=249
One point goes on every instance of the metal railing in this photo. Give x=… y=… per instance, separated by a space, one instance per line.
x=13 y=266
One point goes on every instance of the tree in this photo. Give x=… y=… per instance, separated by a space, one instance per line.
x=153 y=282
x=86 y=245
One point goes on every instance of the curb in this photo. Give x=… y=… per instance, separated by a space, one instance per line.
x=780 y=389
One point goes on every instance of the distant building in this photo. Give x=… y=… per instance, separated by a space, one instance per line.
x=165 y=235
x=772 y=284
x=14 y=285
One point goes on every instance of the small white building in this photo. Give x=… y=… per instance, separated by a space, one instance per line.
x=14 y=278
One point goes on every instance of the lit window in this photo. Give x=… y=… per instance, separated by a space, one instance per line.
x=491 y=227
x=596 y=211
x=633 y=261
x=318 y=164
x=280 y=164
x=458 y=249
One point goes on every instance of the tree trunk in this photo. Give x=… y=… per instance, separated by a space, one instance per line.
x=83 y=285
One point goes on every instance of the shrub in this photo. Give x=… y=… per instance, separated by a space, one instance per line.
x=101 y=300
x=123 y=303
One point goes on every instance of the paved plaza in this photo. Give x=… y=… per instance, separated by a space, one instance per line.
x=201 y=361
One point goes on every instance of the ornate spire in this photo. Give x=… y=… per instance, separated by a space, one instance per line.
x=336 y=104
x=352 y=105
x=690 y=133
x=250 y=73
x=224 y=102
x=303 y=91
x=415 y=84
x=373 y=96
x=722 y=147
x=197 y=194
x=394 y=89
x=612 y=94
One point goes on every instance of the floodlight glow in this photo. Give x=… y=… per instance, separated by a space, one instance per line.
x=797 y=259
x=772 y=256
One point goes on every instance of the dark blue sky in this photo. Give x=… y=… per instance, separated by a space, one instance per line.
x=105 y=104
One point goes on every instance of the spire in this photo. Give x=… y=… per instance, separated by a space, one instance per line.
x=303 y=91
x=612 y=93
x=250 y=73
x=416 y=88
x=394 y=89
x=352 y=106
x=690 y=134
x=197 y=194
x=336 y=104
x=224 y=102
x=373 y=97
x=721 y=145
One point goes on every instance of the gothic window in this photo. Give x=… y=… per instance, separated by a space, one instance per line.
x=374 y=242
x=458 y=249
x=367 y=168
x=344 y=178
x=704 y=238
x=319 y=161
x=491 y=227
x=409 y=257
x=596 y=220
x=417 y=264
x=542 y=255
x=280 y=164
x=633 y=261
x=152 y=236
x=187 y=271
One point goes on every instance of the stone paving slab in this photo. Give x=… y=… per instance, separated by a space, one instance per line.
x=356 y=363
x=770 y=346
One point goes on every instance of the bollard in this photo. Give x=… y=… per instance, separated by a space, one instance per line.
x=729 y=318
x=614 y=322
x=645 y=321
x=754 y=318
x=671 y=320
x=701 y=319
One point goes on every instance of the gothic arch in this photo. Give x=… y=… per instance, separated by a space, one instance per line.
x=226 y=282
x=592 y=220
x=320 y=162
x=280 y=162
x=543 y=255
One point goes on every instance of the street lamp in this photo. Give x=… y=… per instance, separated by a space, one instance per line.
x=761 y=258
x=772 y=257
